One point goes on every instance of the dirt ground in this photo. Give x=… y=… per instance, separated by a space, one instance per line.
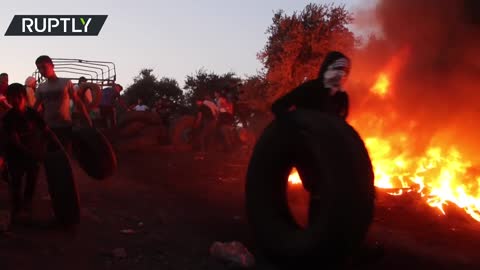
x=177 y=204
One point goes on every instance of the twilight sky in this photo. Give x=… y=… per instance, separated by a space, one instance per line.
x=175 y=38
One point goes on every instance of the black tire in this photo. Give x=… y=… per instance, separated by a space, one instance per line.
x=181 y=133
x=336 y=169
x=96 y=94
x=94 y=153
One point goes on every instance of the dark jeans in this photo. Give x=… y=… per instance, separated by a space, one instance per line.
x=109 y=116
x=64 y=135
x=206 y=134
x=18 y=170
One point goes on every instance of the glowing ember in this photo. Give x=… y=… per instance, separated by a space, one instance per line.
x=381 y=86
x=294 y=177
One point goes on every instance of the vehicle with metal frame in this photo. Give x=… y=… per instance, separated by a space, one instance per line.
x=99 y=72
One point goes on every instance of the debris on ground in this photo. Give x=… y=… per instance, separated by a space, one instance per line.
x=119 y=253
x=128 y=231
x=5 y=221
x=234 y=253
x=228 y=179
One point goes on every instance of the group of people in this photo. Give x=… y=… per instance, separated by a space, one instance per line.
x=28 y=132
x=35 y=117
x=214 y=119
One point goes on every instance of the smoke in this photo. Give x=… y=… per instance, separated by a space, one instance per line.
x=436 y=90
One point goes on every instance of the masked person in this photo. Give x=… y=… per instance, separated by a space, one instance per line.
x=325 y=94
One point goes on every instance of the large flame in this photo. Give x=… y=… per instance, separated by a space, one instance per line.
x=441 y=175
x=381 y=86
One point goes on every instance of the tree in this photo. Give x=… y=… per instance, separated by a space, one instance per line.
x=203 y=83
x=147 y=87
x=298 y=43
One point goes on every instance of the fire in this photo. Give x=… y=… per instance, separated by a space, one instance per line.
x=294 y=177
x=381 y=86
x=440 y=174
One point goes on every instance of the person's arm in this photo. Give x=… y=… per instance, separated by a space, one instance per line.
x=79 y=104
x=120 y=101
x=13 y=139
x=288 y=101
x=38 y=100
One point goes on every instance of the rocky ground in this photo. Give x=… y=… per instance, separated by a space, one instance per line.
x=163 y=210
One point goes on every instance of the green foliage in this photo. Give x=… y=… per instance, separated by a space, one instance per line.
x=149 y=88
x=205 y=83
x=298 y=43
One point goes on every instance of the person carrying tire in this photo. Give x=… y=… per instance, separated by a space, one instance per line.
x=204 y=125
x=55 y=95
x=310 y=133
x=225 y=120
x=325 y=93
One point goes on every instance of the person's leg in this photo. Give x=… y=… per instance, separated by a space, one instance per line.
x=31 y=182
x=226 y=137
x=15 y=186
x=64 y=135
x=211 y=130
x=202 y=137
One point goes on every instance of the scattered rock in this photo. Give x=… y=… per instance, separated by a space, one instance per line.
x=119 y=253
x=128 y=231
x=5 y=221
x=89 y=214
x=234 y=253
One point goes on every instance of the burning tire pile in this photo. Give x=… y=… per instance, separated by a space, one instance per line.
x=336 y=170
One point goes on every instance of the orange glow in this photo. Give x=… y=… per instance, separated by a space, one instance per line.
x=381 y=86
x=294 y=177
x=441 y=174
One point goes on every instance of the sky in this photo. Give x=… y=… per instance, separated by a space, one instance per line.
x=174 y=38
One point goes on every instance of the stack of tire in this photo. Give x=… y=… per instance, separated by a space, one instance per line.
x=337 y=172
x=139 y=131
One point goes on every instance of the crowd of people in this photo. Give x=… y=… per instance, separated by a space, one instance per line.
x=33 y=116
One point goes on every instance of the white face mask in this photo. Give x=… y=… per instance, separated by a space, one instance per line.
x=336 y=75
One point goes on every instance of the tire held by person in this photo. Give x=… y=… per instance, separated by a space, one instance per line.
x=182 y=131
x=336 y=169
x=96 y=92
x=94 y=153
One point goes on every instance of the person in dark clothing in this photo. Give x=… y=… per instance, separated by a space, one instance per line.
x=110 y=95
x=204 y=125
x=27 y=136
x=325 y=94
